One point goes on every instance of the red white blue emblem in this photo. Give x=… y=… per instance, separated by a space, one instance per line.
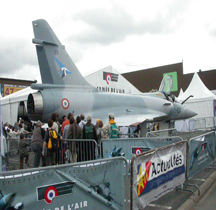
x=65 y=103
x=108 y=78
x=51 y=192
x=138 y=151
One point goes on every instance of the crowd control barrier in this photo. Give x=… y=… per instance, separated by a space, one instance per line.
x=157 y=172
x=157 y=166
x=198 y=124
x=130 y=147
x=162 y=133
x=87 y=185
x=201 y=153
x=69 y=151
x=13 y=145
x=85 y=149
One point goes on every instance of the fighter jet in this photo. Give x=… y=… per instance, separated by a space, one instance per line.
x=65 y=90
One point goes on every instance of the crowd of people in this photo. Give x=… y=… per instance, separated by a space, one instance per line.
x=73 y=140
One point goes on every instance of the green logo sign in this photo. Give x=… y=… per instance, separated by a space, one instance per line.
x=175 y=80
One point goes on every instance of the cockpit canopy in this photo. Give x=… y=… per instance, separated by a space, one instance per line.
x=166 y=85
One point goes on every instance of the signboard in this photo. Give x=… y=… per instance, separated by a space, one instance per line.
x=157 y=172
x=86 y=185
x=175 y=80
x=9 y=89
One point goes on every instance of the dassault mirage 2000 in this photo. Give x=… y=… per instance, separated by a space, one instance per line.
x=65 y=90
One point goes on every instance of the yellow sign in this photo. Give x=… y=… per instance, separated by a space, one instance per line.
x=9 y=90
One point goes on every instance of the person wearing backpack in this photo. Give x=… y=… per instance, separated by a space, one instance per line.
x=111 y=130
x=51 y=142
x=89 y=132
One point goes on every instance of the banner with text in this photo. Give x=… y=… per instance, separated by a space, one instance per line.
x=9 y=89
x=157 y=172
x=86 y=185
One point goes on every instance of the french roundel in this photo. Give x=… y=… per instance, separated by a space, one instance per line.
x=65 y=103
x=50 y=193
x=138 y=151
x=108 y=78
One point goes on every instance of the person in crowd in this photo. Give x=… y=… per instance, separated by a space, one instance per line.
x=13 y=134
x=23 y=124
x=55 y=125
x=99 y=134
x=51 y=157
x=66 y=122
x=6 y=126
x=78 y=120
x=58 y=123
x=74 y=132
x=110 y=130
x=23 y=150
x=22 y=130
x=64 y=118
x=82 y=123
x=65 y=145
x=96 y=125
x=138 y=129
x=16 y=126
x=89 y=132
x=37 y=144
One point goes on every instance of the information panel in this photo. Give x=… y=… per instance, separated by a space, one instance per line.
x=157 y=172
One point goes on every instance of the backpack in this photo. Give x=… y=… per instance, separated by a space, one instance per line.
x=113 y=131
x=89 y=132
x=53 y=140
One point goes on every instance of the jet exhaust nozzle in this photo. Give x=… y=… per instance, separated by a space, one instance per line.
x=35 y=106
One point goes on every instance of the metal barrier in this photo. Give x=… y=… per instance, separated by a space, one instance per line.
x=162 y=133
x=130 y=135
x=70 y=150
x=13 y=145
x=133 y=146
x=88 y=185
x=86 y=149
x=201 y=153
x=198 y=124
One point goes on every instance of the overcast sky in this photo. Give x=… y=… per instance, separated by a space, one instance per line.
x=128 y=35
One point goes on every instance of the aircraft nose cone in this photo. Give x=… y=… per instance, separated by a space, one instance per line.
x=189 y=113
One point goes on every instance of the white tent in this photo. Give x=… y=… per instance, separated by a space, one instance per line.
x=180 y=93
x=202 y=102
x=10 y=105
x=197 y=89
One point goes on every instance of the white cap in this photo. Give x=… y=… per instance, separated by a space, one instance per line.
x=111 y=115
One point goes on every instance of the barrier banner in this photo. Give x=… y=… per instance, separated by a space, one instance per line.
x=201 y=153
x=87 y=185
x=157 y=172
x=128 y=147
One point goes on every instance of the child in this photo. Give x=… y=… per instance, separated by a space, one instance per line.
x=23 y=150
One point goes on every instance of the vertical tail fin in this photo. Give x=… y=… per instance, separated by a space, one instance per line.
x=56 y=66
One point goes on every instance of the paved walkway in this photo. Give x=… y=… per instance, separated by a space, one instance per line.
x=208 y=202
